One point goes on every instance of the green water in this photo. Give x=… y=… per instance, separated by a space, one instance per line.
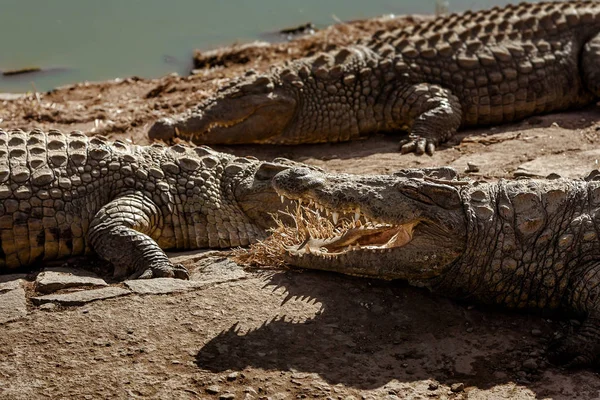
x=96 y=40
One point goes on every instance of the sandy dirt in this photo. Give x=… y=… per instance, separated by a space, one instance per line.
x=294 y=334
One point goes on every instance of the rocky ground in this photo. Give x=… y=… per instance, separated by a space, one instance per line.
x=230 y=333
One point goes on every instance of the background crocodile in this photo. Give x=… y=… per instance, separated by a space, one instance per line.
x=64 y=194
x=529 y=244
x=476 y=68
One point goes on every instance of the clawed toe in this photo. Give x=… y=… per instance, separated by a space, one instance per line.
x=417 y=145
x=177 y=271
x=570 y=354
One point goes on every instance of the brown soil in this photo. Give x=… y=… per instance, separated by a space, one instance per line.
x=293 y=334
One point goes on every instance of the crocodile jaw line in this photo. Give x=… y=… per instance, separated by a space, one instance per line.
x=224 y=124
x=373 y=236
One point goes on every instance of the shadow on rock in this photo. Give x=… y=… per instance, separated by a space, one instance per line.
x=369 y=333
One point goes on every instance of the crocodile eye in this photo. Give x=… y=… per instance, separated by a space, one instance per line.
x=267 y=170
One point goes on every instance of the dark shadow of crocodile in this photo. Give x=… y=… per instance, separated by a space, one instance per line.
x=388 y=143
x=369 y=333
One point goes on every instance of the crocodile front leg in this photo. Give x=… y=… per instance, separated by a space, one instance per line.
x=583 y=347
x=590 y=62
x=121 y=234
x=434 y=113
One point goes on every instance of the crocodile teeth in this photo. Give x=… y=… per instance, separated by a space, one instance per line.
x=356 y=214
x=335 y=216
x=281 y=197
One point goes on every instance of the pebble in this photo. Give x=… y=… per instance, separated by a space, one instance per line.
x=536 y=332
x=227 y=396
x=233 y=376
x=500 y=375
x=214 y=389
x=530 y=364
x=250 y=389
x=472 y=167
x=48 y=306
x=457 y=387
x=433 y=386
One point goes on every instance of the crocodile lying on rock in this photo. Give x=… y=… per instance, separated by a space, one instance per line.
x=527 y=244
x=66 y=194
x=471 y=69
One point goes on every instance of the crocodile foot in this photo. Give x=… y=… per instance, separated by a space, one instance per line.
x=158 y=270
x=418 y=145
x=573 y=352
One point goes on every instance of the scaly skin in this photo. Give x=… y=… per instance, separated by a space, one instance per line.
x=528 y=244
x=477 y=68
x=66 y=194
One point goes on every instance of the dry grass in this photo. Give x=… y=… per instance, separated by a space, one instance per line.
x=307 y=223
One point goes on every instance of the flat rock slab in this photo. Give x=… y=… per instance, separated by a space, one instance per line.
x=12 y=277
x=81 y=297
x=217 y=270
x=206 y=272
x=12 y=96
x=567 y=165
x=161 y=285
x=13 y=302
x=52 y=280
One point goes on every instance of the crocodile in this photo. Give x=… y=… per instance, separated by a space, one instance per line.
x=526 y=244
x=464 y=70
x=64 y=194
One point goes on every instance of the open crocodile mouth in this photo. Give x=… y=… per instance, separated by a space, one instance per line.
x=347 y=230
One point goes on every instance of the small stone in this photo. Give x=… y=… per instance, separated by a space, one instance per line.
x=536 y=332
x=555 y=125
x=233 y=376
x=470 y=329
x=433 y=386
x=227 y=396
x=48 y=306
x=471 y=168
x=500 y=375
x=213 y=389
x=250 y=389
x=457 y=387
x=530 y=364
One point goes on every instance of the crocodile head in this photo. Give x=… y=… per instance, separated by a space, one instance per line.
x=255 y=193
x=404 y=228
x=248 y=111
